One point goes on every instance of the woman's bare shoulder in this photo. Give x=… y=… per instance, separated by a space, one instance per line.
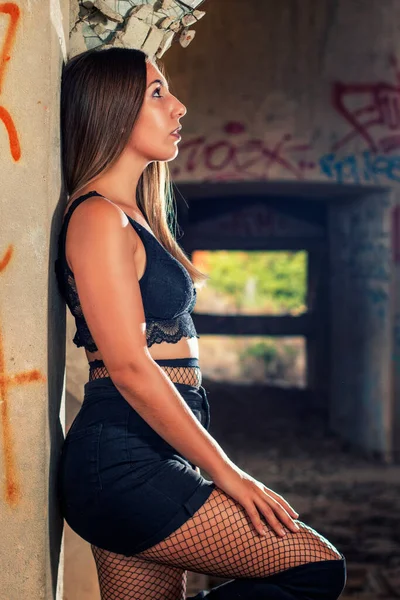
x=97 y=224
x=89 y=200
x=95 y=209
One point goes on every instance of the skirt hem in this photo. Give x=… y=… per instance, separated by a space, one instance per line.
x=187 y=510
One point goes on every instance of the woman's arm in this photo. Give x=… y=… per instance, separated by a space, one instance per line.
x=102 y=256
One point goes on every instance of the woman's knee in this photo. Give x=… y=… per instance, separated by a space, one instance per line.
x=316 y=580
x=314 y=546
x=322 y=580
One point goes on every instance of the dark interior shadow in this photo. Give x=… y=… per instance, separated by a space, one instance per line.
x=56 y=369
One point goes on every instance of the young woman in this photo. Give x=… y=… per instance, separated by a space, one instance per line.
x=129 y=478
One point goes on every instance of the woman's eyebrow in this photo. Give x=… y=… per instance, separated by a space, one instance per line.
x=160 y=81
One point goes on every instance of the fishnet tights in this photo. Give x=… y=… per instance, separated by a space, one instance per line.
x=124 y=577
x=188 y=375
x=218 y=540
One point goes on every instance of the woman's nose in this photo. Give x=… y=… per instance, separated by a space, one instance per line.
x=181 y=110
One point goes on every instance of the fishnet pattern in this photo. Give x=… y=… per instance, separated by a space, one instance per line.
x=187 y=375
x=98 y=372
x=219 y=540
x=123 y=577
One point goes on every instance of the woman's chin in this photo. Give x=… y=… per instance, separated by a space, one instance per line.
x=166 y=156
x=172 y=155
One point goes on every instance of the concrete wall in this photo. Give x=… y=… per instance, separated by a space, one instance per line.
x=273 y=92
x=32 y=319
x=299 y=90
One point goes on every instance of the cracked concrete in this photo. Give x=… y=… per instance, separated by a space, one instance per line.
x=151 y=25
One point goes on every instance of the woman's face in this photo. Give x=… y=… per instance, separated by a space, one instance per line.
x=154 y=136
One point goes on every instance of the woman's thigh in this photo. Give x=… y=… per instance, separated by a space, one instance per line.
x=131 y=578
x=220 y=540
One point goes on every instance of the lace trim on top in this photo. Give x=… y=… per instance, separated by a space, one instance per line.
x=157 y=331
x=82 y=337
x=170 y=330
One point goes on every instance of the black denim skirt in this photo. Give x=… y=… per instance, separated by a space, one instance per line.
x=121 y=486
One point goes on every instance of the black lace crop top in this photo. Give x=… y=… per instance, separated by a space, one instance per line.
x=168 y=293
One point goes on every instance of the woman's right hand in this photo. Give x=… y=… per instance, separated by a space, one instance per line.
x=257 y=500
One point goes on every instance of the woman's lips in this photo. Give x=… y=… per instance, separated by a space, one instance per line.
x=176 y=134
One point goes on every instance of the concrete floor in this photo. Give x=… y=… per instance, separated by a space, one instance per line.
x=351 y=499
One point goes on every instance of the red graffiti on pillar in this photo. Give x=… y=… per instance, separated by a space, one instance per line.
x=12 y=486
x=372 y=109
x=12 y=10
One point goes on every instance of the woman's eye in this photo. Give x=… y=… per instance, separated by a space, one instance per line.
x=157 y=93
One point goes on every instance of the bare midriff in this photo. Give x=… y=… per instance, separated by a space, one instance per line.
x=184 y=348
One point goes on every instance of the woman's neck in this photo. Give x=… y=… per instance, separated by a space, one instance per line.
x=119 y=182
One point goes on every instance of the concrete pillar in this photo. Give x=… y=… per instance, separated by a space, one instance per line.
x=32 y=317
x=395 y=294
x=318 y=354
x=361 y=322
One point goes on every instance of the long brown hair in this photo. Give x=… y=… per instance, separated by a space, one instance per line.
x=102 y=92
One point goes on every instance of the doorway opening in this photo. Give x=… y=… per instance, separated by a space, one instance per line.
x=256 y=284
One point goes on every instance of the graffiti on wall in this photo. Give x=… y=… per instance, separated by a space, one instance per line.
x=12 y=489
x=12 y=12
x=366 y=167
x=371 y=110
x=234 y=155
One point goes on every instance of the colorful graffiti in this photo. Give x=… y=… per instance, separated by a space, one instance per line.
x=372 y=110
x=236 y=156
x=230 y=160
x=367 y=167
x=12 y=11
x=7 y=381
